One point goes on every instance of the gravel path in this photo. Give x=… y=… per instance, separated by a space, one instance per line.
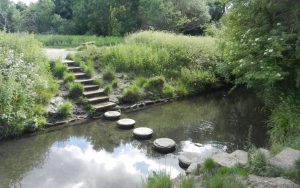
x=52 y=53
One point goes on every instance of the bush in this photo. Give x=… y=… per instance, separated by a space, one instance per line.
x=132 y=94
x=188 y=183
x=114 y=83
x=58 y=68
x=109 y=73
x=26 y=84
x=108 y=89
x=70 y=57
x=98 y=81
x=158 y=180
x=69 y=77
x=168 y=91
x=181 y=89
x=65 y=109
x=75 y=90
x=155 y=84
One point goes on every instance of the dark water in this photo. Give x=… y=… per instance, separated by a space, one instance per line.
x=98 y=155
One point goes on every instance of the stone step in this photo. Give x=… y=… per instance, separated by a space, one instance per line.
x=94 y=93
x=97 y=100
x=74 y=69
x=104 y=106
x=85 y=81
x=91 y=87
x=80 y=75
x=69 y=63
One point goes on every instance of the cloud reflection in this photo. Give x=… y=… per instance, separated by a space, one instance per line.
x=75 y=164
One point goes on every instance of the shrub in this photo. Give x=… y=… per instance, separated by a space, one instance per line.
x=209 y=165
x=168 y=91
x=140 y=81
x=131 y=94
x=70 y=57
x=108 y=89
x=109 y=73
x=98 y=81
x=88 y=70
x=65 y=109
x=158 y=180
x=155 y=84
x=181 y=89
x=58 y=68
x=68 y=77
x=75 y=90
x=114 y=83
x=26 y=84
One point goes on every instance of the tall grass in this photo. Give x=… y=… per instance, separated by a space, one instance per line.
x=68 y=41
x=26 y=84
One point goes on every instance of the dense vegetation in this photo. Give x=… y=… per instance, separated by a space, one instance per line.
x=114 y=17
x=262 y=51
x=26 y=85
x=174 y=64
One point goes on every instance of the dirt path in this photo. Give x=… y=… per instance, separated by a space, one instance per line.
x=52 y=53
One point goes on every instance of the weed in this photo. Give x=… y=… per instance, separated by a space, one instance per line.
x=75 y=90
x=69 y=77
x=132 y=94
x=158 y=180
x=65 y=109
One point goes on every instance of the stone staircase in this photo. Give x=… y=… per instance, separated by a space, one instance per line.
x=95 y=95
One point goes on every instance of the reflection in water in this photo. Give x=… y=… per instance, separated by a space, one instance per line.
x=97 y=154
x=76 y=164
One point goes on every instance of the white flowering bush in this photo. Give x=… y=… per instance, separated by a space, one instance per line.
x=261 y=48
x=26 y=85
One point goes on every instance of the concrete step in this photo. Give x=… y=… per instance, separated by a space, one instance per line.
x=94 y=93
x=85 y=81
x=97 y=100
x=81 y=75
x=104 y=106
x=69 y=63
x=74 y=69
x=91 y=87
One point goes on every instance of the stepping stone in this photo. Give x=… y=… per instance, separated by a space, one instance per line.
x=126 y=123
x=286 y=158
x=164 y=145
x=112 y=115
x=142 y=133
x=188 y=158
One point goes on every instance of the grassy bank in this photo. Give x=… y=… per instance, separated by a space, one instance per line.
x=26 y=84
x=72 y=41
x=160 y=64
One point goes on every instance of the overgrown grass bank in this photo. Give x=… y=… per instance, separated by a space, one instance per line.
x=72 y=41
x=163 y=64
x=26 y=84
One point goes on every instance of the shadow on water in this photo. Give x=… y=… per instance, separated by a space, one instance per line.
x=97 y=154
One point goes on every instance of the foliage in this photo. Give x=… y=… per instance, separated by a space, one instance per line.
x=168 y=91
x=108 y=89
x=57 y=68
x=188 y=183
x=65 y=109
x=68 y=77
x=155 y=84
x=262 y=51
x=132 y=94
x=114 y=83
x=26 y=84
x=75 y=89
x=158 y=180
x=109 y=73
x=70 y=56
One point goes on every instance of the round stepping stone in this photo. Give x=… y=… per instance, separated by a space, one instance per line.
x=188 y=158
x=142 y=133
x=165 y=145
x=112 y=115
x=126 y=123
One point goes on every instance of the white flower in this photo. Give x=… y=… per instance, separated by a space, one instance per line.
x=278 y=74
x=270 y=38
x=278 y=24
x=265 y=53
x=252 y=63
x=241 y=60
x=271 y=50
x=257 y=39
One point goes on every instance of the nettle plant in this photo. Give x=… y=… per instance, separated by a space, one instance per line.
x=21 y=92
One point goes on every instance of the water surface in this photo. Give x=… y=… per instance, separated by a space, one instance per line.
x=99 y=155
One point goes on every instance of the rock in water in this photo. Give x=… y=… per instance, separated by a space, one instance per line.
x=112 y=115
x=286 y=158
x=187 y=158
x=126 y=123
x=230 y=160
x=265 y=182
x=164 y=145
x=142 y=133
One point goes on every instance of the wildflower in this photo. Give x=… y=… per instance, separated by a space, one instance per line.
x=278 y=75
x=257 y=39
x=278 y=24
x=271 y=50
x=270 y=38
x=241 y=60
